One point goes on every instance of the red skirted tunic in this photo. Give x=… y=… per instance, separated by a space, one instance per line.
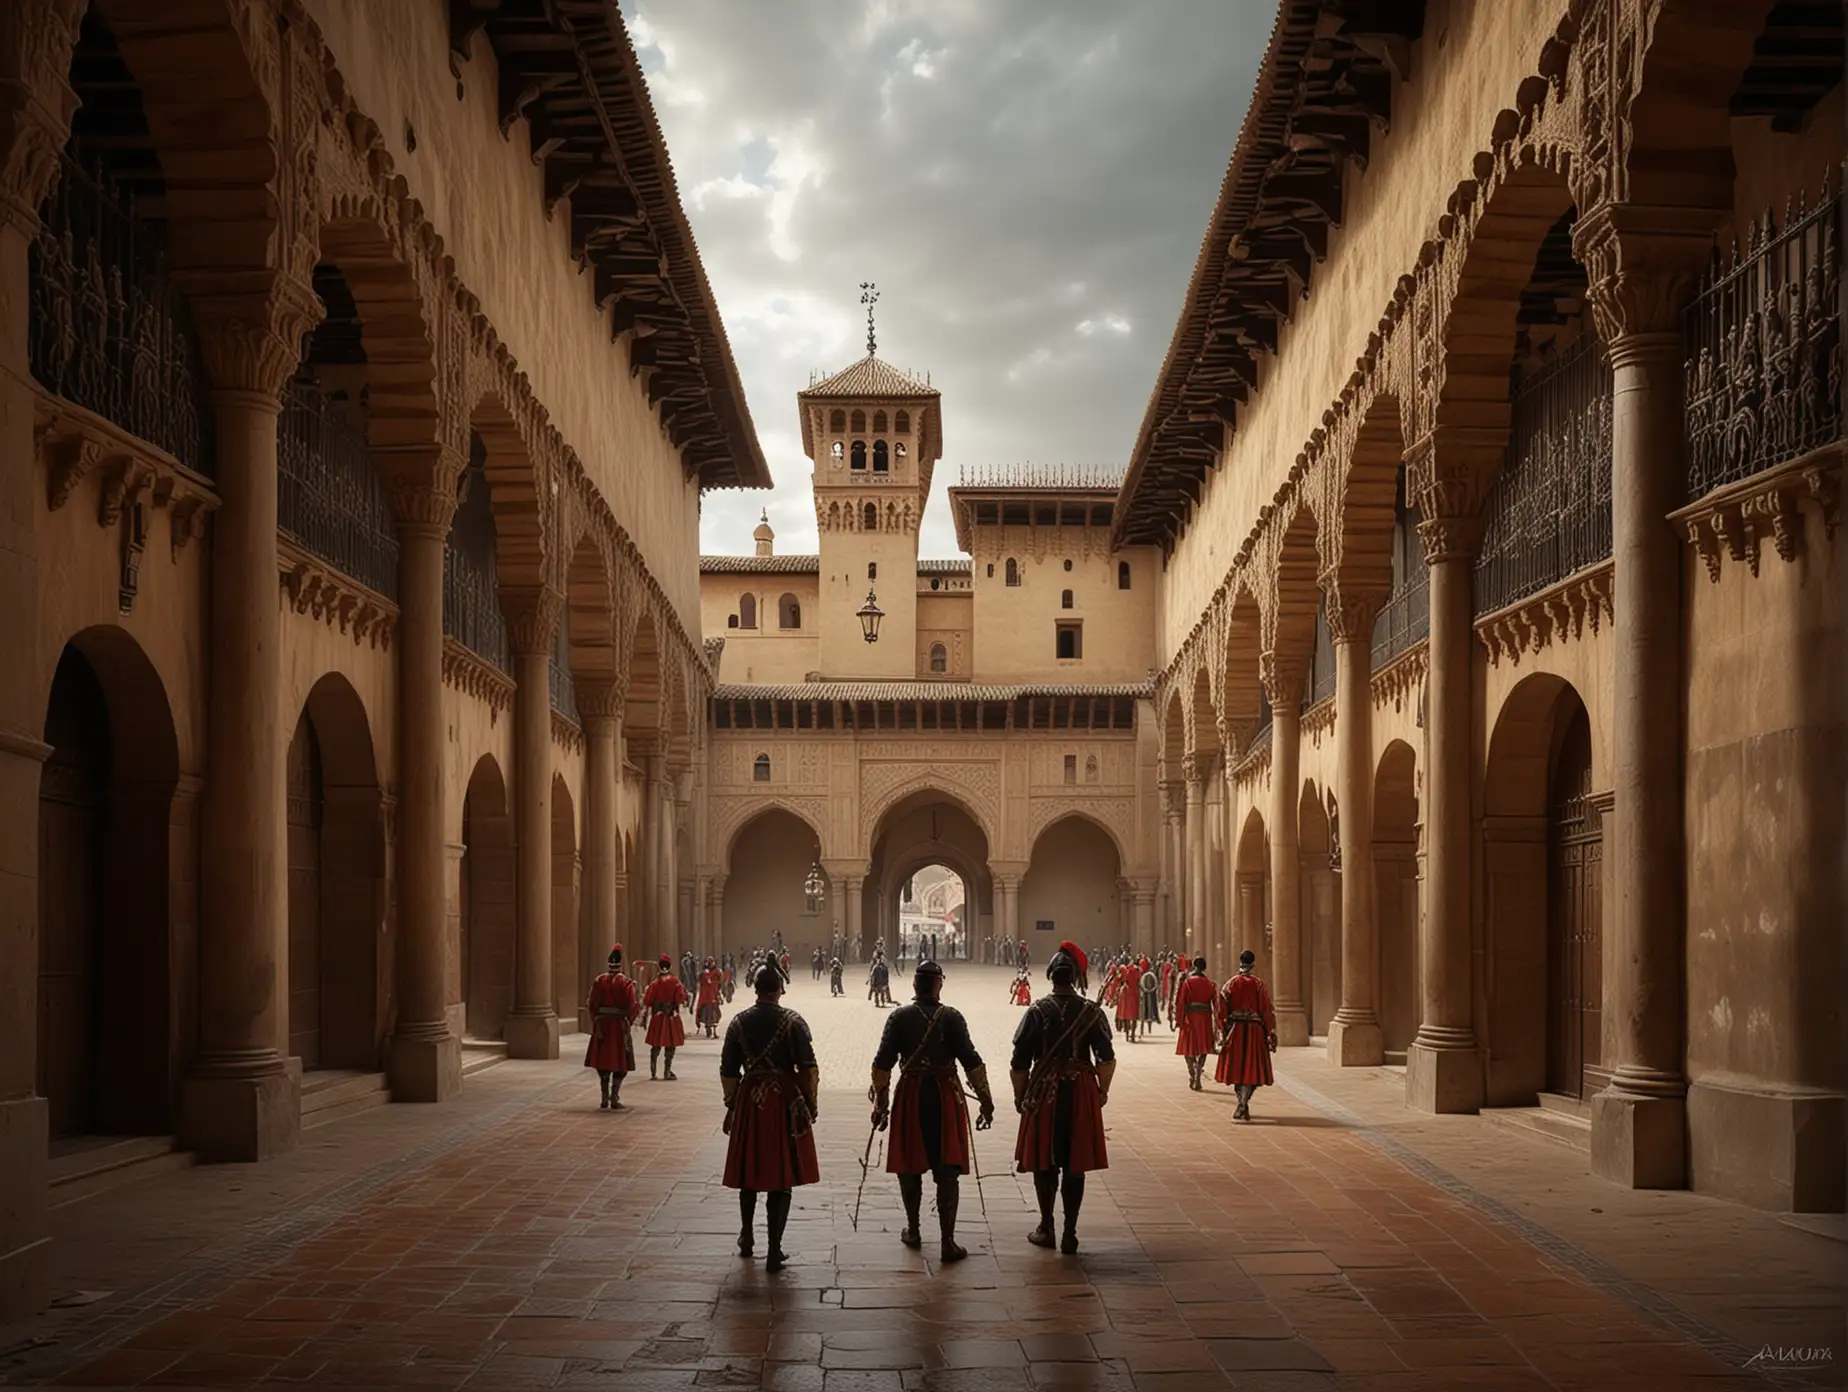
x=1193 y=1004
x=1128 y=994
x=1246 y=1016
x=1059 y=1044
x=662 y=1000
x=930 y=1122
x=768 y=1049
x=612 y=1006
x=1023 y=992
x=706 y=1008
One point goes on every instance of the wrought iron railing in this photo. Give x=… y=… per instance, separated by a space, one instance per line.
x=1404 y=619
x=471 y=591
x=328 y=496
x=107 y=329
x=558 y=670
x=1319 y=684
x=1550 y=512
x=1764 y=348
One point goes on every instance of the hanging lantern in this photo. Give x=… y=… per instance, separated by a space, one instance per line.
x=814 y=888
x=870 y=615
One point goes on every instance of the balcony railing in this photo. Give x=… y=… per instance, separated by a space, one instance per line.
x=328 y=495
x=471 y=593
x=1550 y=513
x=1764 y=348
x=107 y=329
x=1404 y=619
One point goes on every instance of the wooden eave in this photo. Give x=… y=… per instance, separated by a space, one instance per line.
x=1323 y=91
x=568 y=71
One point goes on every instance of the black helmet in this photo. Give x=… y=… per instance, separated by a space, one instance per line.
x=1247 y=957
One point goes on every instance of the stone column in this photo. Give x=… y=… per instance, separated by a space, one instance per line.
x=36 y=102
x=600 y=708
x=1354 y=1032
x=1250 y=935
x=1008 y=888
x=242 y=1100
x=425 y=1059
x=1195 y=926
x=850 y=930
x=1643 y=263
x=715 y=913
x=1143 y=911
x=1285 y=693
x=1174 y=876
x=1451 y=473
x=532 y=1025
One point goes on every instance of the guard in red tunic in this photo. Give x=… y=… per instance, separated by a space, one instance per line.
x=662 y=1000
x=611 y=1005
x=772 y=1083
x=1193 y=1007
x=1249 y=1025
x=1021 y=992
x=706 y=1008
x=930 y=1123
x=1128 y=998
x=1061 y=1069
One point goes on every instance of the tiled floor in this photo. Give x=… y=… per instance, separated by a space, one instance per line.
x=519 y=1238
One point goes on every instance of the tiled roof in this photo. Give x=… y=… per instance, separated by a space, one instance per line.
x=760 y=565
x=949 y=566
x=872 y=376
x=923 y=691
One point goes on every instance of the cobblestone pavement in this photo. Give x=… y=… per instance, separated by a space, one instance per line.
x=519 y=1237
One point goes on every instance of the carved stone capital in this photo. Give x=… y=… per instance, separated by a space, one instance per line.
x=1351 y=610
x=1643 y=264
x=36 y=102
x=598 y=698
x=532 y=618
x=1449 y=475
x=421 y=483
x=1282 y=681
x=251 y=326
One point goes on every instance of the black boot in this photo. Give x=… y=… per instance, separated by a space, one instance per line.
x=654 y=1059
x=616 y=1091
x=603 y=1083
x=911 y=1194
x=747 y=1213
x=777 y=1211
x=1073 y=1195
x=1045 y=1189
x=948 y=1193
x=670 y=1065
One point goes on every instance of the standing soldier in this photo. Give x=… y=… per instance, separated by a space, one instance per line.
x=1128 y=997
x=611 y=1006
x=1193 y=1006
x=930 y=1123
x=772 y=1085
x=1250 y=1026
x=706 y=1004
x=1021 y=992
x=834 y=978
x=689 y=969
x=662 y=1000
x=730 y=976
x=879 y=981
x=1061 y=1071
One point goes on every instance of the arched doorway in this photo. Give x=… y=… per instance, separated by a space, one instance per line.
x=932 y=913
x=487 y=932
x=927 y=827
x=1321 y=922
x=336 y=844
x=1542 y=854
x=1251 y=875
x=1395 y=874
x=567 y=946
x=1070 y=888
x=108 y=1058
x=769 y=858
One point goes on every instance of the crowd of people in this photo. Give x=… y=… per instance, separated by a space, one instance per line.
x=1061 y=1067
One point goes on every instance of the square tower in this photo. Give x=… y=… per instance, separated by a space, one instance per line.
x=873 y=434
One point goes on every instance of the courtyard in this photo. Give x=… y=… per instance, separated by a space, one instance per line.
x=518 y=1237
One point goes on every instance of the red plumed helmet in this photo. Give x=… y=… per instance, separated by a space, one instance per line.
x=1076 y=953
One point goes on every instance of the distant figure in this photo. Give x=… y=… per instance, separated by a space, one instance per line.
x=706 y=1008
x=611 y=1006
x=1193 y=1006
x=1021 y=992
x=1250 y=1028
x=662 y=1000
x=834 y=978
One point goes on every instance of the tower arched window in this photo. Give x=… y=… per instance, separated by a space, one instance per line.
x=1065 y=599
x=859 y=455
x=879 y=422
x=1122 y=575
x=788 y=612
x=859 y=422
x=902 y=423
x=880 y=463
x=869 y=518
x=1013 y=571
x=837 y=450
x=747 y=611
x=760 y=769
x=838 y=421
x=899 y=449
x=939 y=658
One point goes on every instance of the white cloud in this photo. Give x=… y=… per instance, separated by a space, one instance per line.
x=1113 y=325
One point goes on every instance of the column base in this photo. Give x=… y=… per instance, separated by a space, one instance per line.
x=1292 y=1027
x=1355 y=1043
x=1443 y=1081
x=25 y=1238
x=532 y=1036
x=425 y=1069
x=1779 y=1149
x=1639 y=1142
x=242 y=1118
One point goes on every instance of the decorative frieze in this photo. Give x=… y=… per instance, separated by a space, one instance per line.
x=567 y=733
x=1736 y=519
x=1559 y=613
x=1401 y=681
x=471 y=676
x=324 y=593
x=1318 y=720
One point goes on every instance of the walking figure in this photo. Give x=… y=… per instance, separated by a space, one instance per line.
x=1249 y=1025
x=1193 y=1006
x=662 y=1000
x=771 y=1082
x=611 y=1006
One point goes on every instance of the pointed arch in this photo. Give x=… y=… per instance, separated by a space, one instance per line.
x=591 y=604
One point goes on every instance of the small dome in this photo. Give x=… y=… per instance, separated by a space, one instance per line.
x=764 y=536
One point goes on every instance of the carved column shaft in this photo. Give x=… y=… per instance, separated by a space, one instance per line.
x=599 y=710
x=532 y=1026
x=1354 y=1034
x=654 y=849
x=1286 y=872
x=851 y=928
x=1196 y=925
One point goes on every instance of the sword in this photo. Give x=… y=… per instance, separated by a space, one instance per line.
x=865 y=1169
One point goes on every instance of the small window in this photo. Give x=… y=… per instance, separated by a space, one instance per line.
x=1090 y=768
x=881 y=464
x=935 y=583
x=1013 y=571
x=731 y=620
x=991 y=570
x=902 y=423
x=1069 y=640
x=1071 y=768
x=872 y=567
x=1122 y=575
x=859 y=422
x=838 y=421
x=899 y=449
x=939 y=658
x=1068 y=565
x=859 y=454
x=788 y=612
x=760 y=769
x=869 y=518
x=747 y=611
x=879 y=422
x=838 y=450
x=1065 y=599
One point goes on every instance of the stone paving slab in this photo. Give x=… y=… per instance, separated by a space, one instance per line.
x=518 y=1237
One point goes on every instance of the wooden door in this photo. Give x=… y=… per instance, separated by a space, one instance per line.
x=1575 y=852
x=73 y=808
x=306 y=811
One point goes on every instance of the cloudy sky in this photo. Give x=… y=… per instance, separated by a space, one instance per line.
x=1026 y=180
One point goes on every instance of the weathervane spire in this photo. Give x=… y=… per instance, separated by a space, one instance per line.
x=869 y=296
